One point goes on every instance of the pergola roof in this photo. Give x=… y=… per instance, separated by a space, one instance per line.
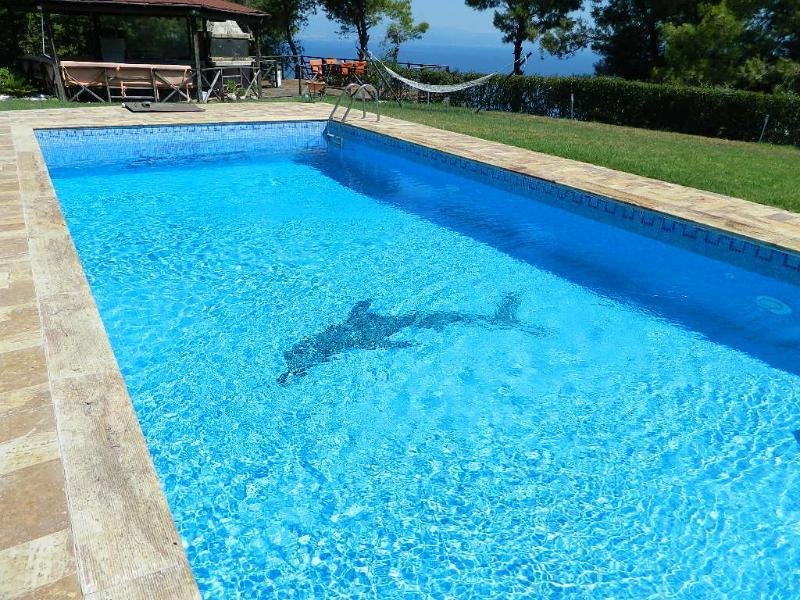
x=211 y=9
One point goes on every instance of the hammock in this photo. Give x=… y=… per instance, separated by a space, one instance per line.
x=440 y=89
x=435 y=89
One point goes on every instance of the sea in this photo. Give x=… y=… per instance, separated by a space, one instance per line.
x=466 y=58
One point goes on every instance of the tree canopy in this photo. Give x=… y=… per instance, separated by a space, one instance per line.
x=287 y=18
x=628 y=34
x=360 y=16
x=545 y=21
x=401 y=30
x=747 y=44
x=744 y=44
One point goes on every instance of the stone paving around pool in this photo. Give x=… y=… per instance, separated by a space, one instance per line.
x=82 y=511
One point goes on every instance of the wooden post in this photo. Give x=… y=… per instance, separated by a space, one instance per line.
x=59 y=83
x=298 y=72
x=196 y=54
x=257 y=36
x=97 y=46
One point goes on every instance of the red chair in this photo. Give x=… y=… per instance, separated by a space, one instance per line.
x=360 y=68
x=316 y=67
x=331 y=66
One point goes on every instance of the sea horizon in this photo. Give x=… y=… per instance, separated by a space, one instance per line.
x=481 y=58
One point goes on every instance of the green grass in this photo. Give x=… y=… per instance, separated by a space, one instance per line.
x=23 y=104
x=759 y=172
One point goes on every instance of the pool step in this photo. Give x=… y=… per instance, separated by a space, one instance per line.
x=334 y=139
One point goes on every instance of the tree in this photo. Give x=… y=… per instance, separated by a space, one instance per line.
x=287 y=17
x=773 y=26
x=360 y=16
x=400 y=31
x=772 y=38
x=628 y=34
x=709 y=52
x=545 y=21
x=746 y=44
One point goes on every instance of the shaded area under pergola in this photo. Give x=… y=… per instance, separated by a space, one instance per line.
x=196 y=12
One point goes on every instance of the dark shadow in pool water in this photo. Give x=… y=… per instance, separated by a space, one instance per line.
x=365 y=329
x=699 y=293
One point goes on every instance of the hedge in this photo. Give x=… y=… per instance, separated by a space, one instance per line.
x=711 y=112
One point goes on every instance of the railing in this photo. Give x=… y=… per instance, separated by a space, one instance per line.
x=354 y=91
x=408 y=65
x=246 y=82
x=300 y=64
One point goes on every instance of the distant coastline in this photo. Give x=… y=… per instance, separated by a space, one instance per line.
x=467 y=58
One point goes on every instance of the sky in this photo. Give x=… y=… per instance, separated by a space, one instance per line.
x=450 y=21
x=459 y=36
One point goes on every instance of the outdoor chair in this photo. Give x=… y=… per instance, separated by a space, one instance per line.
x=131 y=82
x=80 y=78
x=315 y=87
x=360 y=69
x=172 y=80
x=332 y=66
x=316 y=84
x=316 y=68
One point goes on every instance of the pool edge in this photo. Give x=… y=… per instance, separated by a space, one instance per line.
x=760 y=223
x=118 y=537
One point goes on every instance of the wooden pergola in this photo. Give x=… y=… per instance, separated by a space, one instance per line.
x=196 y=12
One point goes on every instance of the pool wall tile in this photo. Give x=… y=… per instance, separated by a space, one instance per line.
x=66 y=148
x=740 y=251
x=132 y=146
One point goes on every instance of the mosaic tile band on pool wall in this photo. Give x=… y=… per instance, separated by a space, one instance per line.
x=65 y=148
x=81 y=147
x=716 y=244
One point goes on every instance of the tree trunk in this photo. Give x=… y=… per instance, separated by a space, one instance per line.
x=292 y=46
x=518 y=56
x=516 y=93
x=363 y=42
x=654 y=41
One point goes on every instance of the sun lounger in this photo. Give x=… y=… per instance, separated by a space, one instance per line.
x=123 y=81
x=83 y=79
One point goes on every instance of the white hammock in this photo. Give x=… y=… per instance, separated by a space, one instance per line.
x=436 y=89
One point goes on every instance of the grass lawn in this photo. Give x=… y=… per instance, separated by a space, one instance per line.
x=759 y=172
x=22 y=104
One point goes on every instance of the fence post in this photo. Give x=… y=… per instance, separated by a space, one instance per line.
x=572 y=105
x=763 y=129
x=298 y=72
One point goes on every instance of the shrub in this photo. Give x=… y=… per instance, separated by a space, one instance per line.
x=14 y=84
x=711 y=112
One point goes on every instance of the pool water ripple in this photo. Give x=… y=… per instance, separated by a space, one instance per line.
x=641 y=445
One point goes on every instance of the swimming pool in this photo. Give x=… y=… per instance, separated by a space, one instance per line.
x=385 y=371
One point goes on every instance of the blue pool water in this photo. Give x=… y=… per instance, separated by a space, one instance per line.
x=363 y=374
